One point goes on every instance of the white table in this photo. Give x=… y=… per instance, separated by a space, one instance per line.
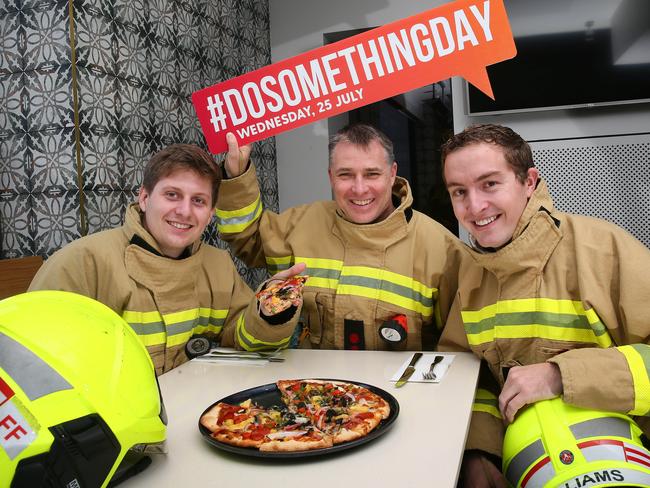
x=423 y=448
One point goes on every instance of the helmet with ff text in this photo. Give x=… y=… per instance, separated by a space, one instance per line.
x=553 y=444
x=79 y=399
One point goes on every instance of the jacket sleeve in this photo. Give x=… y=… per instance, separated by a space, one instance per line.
x=256 y=236
x=239 y=211
x=486 y=426
x=448 y=285
x=618 y=301
x=245 y=327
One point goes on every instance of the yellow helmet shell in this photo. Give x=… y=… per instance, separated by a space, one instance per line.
x=553 y=444
x=73 y=377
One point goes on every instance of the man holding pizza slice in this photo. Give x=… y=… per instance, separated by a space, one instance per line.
x=381 y=275
x=157 y=274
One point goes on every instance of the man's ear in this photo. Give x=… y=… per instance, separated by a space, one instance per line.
x=532 y=177
x=143 y=196
x=393 y=171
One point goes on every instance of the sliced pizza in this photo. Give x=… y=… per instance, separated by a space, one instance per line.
x=316 y=414
x=280 y=295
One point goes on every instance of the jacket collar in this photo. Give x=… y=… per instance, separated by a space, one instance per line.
x=539 y=200
x=392 y=229
x=137 y=234
x=170 y=281
x=534 y=239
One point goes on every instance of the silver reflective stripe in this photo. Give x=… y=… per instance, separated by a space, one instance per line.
x=524 y=460
x=603 y=452
x=615 y=450
x=35 y=377
x=602 y=427
x=542 y=476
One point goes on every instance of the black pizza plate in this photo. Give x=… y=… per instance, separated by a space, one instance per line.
x=269 y=395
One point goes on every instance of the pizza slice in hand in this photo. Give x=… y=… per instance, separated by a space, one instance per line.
x=280 y=295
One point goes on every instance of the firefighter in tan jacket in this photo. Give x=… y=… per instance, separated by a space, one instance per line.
x=157 y=274
x=381 y=275
x=554 y=304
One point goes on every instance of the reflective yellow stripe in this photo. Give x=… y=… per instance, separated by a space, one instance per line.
x=385 y=296
x=175 y=328
x=489 y=409
x=250 y=343
x=385 y=275
x=279 y=261
x=487 y=402
x=178 y=339
x=216 y=319
x=564 y=320
x=153 y=339
x=317 y=282
x=233 y=221
x=187 y=319
x=528 y=304
x=182 y=316
x=320 y=263
x=141 y=317
x=364 y=281
x=538 y=330
x=639 y=368
x=240 y=212
x=483 y=394
x=149 y=326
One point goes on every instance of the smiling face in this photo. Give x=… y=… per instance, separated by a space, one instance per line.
x=362 y=182
x=177 y=210
x=487 y=196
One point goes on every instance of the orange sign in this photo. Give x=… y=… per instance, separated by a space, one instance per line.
x=458 y=38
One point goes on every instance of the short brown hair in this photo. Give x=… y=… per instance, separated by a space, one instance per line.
x=516 y=151
x=362 y=135
x=182 y=157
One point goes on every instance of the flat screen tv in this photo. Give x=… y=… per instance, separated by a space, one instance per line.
x=571 y=53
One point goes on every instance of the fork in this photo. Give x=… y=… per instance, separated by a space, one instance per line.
x=431 y=375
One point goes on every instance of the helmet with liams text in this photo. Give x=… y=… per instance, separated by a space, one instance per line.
x=553 y=444
x=79 y=399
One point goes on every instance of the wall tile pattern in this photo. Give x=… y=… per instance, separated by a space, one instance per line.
x=91 y=88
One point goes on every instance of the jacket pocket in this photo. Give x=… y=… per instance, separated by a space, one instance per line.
x=545 y=352
x=318 y=312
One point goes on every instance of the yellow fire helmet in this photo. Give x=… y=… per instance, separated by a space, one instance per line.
x=553 y=444
x=79 y=399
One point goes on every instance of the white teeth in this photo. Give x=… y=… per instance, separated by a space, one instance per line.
x=483 y=222
x=362 y=202
x=178 y=225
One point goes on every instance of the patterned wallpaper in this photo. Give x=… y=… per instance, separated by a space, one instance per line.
x=90 y=89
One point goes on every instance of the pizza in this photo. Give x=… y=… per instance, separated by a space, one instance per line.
x=280 y=295
x=314 y=414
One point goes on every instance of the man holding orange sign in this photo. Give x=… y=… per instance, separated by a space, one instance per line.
x=381 y=275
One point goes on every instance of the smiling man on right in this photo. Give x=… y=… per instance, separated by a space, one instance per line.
x=555 y=305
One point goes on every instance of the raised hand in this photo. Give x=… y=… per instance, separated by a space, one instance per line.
x=237 y=157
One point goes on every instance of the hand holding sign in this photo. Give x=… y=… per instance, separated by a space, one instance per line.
x=458 y=38
x=237 y=157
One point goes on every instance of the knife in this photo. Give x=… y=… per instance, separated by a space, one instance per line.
x=410 y=369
